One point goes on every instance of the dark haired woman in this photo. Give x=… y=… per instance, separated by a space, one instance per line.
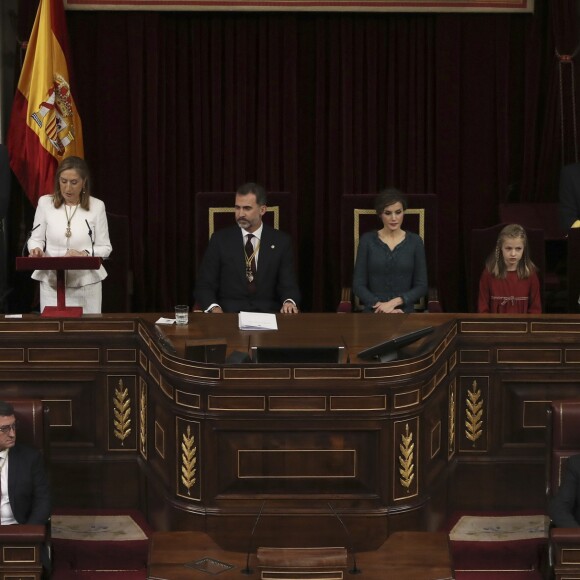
x=71 y=223
x=390 y=273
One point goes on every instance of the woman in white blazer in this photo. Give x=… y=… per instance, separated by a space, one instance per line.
x=70 y=222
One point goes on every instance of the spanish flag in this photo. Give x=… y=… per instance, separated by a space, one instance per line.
x=44 y=125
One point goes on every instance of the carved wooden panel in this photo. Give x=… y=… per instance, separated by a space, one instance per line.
x=474 y=416
x=123 y=412
x=188 y=461
x=405 y=465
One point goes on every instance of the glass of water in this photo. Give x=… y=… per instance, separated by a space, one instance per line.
x=182 y=314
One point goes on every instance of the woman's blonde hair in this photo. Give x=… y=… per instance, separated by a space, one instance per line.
x=81 y=167
x=495 y=263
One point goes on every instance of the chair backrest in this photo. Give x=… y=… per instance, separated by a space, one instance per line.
x=483 y=242
x=33 y=423
x=215 y=210
x=563 y=440
x=358 y=216
x=535 y=216
x=117 y=287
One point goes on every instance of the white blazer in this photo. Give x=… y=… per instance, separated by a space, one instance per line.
x=52 y=224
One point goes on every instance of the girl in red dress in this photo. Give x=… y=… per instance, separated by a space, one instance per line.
x=509 y=283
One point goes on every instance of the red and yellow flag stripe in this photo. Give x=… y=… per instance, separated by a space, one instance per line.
x=44 y=125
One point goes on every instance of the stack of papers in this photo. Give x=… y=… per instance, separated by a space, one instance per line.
x=257 y=321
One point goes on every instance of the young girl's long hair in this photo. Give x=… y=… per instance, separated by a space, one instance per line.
x=495 y=264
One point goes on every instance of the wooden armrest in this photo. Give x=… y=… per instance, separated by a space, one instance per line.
x=565 y=535
x=22 y=533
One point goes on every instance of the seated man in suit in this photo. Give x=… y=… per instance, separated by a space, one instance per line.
x=570 y=197
x=24 y=490
x=564 y=507
x=248 y=267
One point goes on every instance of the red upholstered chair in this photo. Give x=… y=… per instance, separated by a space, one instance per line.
x=21 y=545
x=483 y=242
x=563 y=441
x=358 y=216
x=539 y=216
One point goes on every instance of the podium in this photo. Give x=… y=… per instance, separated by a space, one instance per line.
x=61 y=310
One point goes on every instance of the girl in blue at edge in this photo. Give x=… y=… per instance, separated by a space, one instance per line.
x=390 y=273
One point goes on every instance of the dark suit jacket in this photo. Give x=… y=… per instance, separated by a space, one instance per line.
x=222 y=274
x=565 y=505
x=28 y=487
x=569 y=195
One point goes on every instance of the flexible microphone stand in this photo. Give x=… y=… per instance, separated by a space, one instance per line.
x=247 y=570
x=91 y=237
x=28 y=236
x=355 y=569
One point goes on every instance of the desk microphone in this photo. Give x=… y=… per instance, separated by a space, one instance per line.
x=164 y=342
x=28 y=235
x=91 y=237
x=247 y=570
x=355 y=569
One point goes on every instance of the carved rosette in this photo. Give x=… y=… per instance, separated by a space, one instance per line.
x=143 y=418
x=122 y=393
x=188 y=459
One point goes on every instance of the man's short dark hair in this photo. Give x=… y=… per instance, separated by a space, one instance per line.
x=6 y=409
x=256 y=189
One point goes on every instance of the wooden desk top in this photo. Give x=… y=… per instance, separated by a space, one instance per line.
x=404 y=556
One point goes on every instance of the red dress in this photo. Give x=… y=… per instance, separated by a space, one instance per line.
x=511 y=295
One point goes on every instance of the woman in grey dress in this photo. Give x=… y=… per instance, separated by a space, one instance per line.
x=390 y=273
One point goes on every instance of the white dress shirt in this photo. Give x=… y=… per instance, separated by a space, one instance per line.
x=6 y=515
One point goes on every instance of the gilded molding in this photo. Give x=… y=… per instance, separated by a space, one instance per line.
x=121 y=412
x=188 y=460
x=143 y=418
x=406 y=457
x=452 y=407
x=474 y=414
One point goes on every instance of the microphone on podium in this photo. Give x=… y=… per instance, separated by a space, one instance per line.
x=355 y=569
x=91 y=237
x=28 y=235
x=247 y=570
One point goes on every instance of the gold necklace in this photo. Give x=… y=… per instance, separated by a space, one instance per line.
x=68 y=233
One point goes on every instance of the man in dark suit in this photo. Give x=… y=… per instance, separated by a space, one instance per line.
x=565 y=505
x=248 y=267
x=25 y=494
x=569 y=196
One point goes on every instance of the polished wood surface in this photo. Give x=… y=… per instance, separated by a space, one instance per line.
x=20 y=551
x=457 y=424
x=404 y=556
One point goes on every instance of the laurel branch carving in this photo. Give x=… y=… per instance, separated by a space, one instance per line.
x=188 y=460
x=474 y=414
x=122 y=413
x=406 y=465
